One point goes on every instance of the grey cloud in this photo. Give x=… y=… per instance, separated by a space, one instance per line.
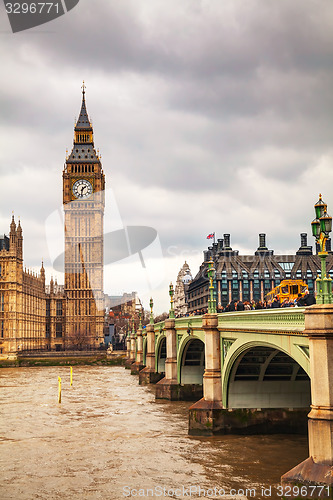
x=191 y=97
x=202 y=41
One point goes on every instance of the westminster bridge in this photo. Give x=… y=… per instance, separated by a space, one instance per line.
x=249 y=372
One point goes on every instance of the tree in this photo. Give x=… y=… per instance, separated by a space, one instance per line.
x=161 y=317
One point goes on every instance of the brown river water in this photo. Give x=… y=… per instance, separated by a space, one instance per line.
x=110 y=439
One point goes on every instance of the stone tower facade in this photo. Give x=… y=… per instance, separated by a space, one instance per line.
x=83 y=198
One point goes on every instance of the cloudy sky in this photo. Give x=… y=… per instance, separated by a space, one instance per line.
x=210 y=116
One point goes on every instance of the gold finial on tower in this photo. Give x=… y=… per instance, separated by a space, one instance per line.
x=83 y=88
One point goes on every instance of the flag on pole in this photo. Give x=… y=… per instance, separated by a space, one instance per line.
x=210 y=236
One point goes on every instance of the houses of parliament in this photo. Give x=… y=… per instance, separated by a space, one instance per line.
x=37 y=316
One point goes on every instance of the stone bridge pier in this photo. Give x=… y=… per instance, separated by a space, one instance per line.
x=205 y=415
x=148 y=375
x=138 y=362
x=318 y=468
x=168 y=387
x=128 y=346
x=132 y=350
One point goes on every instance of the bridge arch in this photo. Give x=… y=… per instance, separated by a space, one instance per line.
x=191 y=361
x=160 y=354
x=261 y=374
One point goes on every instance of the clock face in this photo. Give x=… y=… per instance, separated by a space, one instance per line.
x=82 y=189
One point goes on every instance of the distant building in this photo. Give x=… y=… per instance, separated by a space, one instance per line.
x=251 y=277
x=184 y=278
x=119 y=313
x=125 y=304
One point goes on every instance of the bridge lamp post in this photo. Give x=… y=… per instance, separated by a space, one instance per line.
x=211 y=276
x=321 y=227
x=171 y=293
x=151 y=303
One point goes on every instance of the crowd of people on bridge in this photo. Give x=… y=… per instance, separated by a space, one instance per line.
x=301 y=301
x=237 y=305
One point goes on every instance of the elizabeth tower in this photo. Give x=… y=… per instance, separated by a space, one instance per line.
x=83 y=199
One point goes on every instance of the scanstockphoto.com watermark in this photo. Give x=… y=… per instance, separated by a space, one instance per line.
x=189 y=491
x=278 y=491
x=24 y=15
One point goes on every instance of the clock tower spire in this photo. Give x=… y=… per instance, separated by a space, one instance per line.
x=83 y=199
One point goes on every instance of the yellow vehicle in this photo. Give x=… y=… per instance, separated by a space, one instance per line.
x=288 y=289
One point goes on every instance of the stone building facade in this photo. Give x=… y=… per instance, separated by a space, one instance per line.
x=251 y=277
x=184 y=278
x=29 y=311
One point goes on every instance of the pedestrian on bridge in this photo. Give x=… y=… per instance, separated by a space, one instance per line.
x=308 y=299
x=240 y=306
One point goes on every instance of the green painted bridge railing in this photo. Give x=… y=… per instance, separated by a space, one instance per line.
x=284 y=321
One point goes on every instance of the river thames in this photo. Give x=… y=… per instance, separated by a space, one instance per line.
x=110 y=439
